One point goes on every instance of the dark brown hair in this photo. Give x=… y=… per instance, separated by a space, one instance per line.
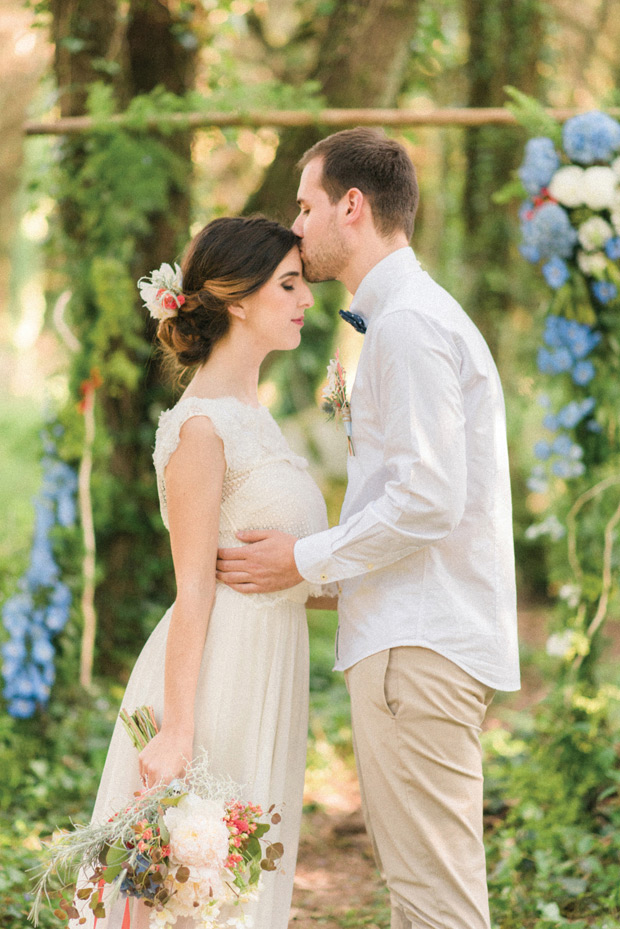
x=231 y=258
x=379 y=167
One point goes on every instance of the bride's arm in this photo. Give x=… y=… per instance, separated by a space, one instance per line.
x=194 y=478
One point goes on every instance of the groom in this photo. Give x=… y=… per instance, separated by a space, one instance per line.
x=424 y=552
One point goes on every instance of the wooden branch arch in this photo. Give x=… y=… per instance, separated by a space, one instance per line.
x=332 y=118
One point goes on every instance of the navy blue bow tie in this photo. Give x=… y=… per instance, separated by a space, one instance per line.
x=356 y=321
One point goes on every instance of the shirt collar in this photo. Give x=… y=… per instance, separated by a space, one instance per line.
x=374 y=291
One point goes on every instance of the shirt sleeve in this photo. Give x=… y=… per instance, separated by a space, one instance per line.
x=418 y=393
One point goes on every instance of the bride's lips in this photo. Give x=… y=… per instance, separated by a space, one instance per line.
x=299 y=321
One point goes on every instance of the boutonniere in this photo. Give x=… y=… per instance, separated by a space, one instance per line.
x=335 y=401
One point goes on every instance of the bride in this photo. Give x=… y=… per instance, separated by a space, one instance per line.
x=226 y=672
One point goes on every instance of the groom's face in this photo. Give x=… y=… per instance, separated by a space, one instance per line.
x=324 y=251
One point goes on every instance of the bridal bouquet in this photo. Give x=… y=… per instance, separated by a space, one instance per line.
x=184 y=849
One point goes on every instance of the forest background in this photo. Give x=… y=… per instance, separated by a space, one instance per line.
x=85 y=215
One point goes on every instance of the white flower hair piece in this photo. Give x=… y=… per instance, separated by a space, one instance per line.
x=162 y=291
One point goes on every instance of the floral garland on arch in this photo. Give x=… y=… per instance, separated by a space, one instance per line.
x=570 y=226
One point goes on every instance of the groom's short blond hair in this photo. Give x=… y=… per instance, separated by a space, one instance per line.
x=378 y=166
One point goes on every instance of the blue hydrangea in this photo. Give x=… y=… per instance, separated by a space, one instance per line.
x=550 y=232
x=612 y=248
x=604 y=291
x=530 y=253
x=539 y=165
x=555 y=272
x=40 y=608
x=591 y=137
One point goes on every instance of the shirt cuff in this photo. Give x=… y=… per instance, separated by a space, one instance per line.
x=313 y=557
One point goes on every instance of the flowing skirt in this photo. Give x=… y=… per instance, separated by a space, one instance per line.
x=251 y=716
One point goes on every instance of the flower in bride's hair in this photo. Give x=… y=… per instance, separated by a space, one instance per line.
x=162 y=291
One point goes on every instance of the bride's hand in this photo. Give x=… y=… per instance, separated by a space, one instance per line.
x=165 y=758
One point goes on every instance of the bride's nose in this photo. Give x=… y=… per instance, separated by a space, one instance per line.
x=307 y=299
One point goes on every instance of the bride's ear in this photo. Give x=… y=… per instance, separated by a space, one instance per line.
x=238 y=310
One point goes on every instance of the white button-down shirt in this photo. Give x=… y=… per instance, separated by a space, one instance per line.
x=424 y=550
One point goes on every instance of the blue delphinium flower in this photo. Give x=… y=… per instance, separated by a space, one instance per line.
x=550 y=422
x=537 y=481
x=579 y=338
x=564 y=467
x=583 y=372
x=551 y=231
x=572 y=414
x=555 y=272
x=563 y=445
x=40 y=608
x=612 y=248
x=591 y=137
x=539 y=165
x=542 y=450
x=604 y=291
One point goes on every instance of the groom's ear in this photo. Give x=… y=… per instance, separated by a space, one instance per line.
x=352 y=205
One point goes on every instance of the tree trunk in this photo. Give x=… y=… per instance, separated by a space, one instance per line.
x=136 y=49
x=361 y=63
x=505 y=43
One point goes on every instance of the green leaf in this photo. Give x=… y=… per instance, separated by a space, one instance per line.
x=531 y=114
x=116 y=854
x=510 y=191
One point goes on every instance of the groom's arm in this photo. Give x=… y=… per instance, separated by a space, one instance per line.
x=418 y=395
x=417 y=391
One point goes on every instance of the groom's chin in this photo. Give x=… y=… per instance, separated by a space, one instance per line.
x=313 y=276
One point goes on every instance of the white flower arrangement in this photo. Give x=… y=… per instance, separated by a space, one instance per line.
x=162 y=291
x=600 y=185
x=567 y=186
x=594 y=233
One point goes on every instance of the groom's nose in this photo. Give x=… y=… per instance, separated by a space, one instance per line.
x=297 y=227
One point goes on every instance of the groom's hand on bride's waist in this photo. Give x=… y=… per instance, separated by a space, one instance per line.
x=265 y=563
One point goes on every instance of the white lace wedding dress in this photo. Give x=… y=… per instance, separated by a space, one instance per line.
x=252 y=697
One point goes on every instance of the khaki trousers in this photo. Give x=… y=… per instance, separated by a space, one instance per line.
x=416 y=723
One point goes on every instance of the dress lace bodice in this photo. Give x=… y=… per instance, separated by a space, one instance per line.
x=266 y=485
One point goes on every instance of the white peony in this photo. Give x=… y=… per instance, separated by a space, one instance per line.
x=599 y=186
x=615 y=166
x=594 y=233
x=567 y=186
x=198 y=834
x=592 y=263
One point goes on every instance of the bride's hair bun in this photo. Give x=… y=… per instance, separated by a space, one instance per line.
x=231 y=258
